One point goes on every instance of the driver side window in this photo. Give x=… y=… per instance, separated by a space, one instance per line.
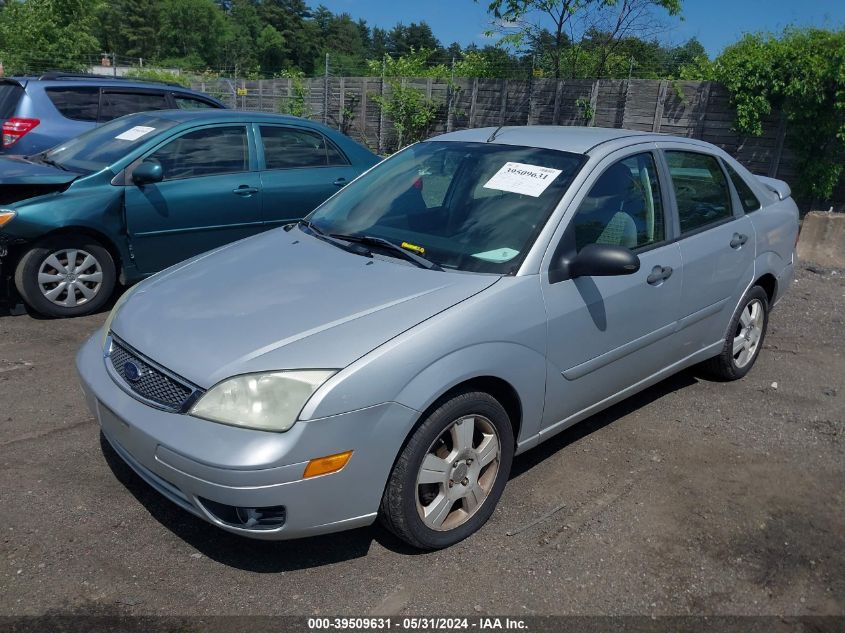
x=205 y=152
x=623 y=208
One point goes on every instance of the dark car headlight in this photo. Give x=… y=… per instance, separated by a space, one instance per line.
x=6 y=216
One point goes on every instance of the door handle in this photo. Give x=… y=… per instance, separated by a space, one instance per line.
x=659 y=274
x=340 y=182
x=738 y=240
x=245 y=190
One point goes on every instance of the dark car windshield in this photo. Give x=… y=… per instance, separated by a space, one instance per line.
x=466 y=206
x=101 y=146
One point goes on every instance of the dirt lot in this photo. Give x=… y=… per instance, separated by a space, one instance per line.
x=692 y=498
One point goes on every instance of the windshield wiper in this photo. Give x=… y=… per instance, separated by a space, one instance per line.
x=372 y=240
x=52 y=163
x=317 y=232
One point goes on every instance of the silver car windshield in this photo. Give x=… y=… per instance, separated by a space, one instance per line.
x=101 y=146
x=465 y=206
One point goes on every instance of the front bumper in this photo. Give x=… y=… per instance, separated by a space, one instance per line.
x=192 y=461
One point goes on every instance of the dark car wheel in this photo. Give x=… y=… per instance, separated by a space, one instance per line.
x=451 y=473
x=744 y=338
x=66 y=276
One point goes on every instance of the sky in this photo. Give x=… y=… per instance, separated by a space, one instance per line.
x=716 y=23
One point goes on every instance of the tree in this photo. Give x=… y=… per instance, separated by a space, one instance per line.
x=379 y=45
x=38 y=35
x=192 y=30
x=270 y=48
x=417 y=36
x=129 y=27
x=341 y=35
x=618 y=20
x=244 y=26
x=550 y=27
x=801 y=73
x=291 y=18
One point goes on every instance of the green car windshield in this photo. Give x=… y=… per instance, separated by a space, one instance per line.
x=465 y=206
x=100 y=147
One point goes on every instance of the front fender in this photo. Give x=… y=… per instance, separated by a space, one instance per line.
x=521 y=367
x=96 y=208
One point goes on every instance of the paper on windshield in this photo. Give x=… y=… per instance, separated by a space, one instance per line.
x=134 y=133
x=498 y=255
x=531 y=180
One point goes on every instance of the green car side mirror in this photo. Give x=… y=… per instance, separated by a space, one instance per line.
x=148 y=172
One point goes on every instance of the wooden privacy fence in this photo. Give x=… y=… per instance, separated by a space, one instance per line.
x=698 y=109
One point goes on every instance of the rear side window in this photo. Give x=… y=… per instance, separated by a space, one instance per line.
x=190 y=103
x=746 y=196
x=10 y=94
x=215 y=150
x=117 y=104
x=701 y=189
x=287 y=148
x=79 y=103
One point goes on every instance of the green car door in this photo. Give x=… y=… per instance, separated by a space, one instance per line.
x=208 y=196
x=300 y=169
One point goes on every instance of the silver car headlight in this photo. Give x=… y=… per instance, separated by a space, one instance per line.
x=117 y=306
x=268 y=401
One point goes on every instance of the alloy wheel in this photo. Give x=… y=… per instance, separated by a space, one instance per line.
x=458 y=473
x=748 y=333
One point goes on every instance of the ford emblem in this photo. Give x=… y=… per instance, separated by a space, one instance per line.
x=131 y=371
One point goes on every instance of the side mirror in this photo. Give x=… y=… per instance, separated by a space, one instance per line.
x=148 y=172
x=603 y=260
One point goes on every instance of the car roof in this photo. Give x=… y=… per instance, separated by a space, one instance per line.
x=93 y=80
x=212 y=115
x=579 y=140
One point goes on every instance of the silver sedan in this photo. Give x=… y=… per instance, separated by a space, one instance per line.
x=456 y=305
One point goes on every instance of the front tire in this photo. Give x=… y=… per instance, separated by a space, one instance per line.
x=744 y=338
x=451 y=473
x=66 y=276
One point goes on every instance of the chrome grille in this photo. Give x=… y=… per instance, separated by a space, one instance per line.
x=152 y=384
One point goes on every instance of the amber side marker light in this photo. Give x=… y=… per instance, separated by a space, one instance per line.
x=326 y=465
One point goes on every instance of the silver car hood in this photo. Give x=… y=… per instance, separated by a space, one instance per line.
x=281 y=300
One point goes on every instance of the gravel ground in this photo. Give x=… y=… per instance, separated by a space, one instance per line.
x=693 y=497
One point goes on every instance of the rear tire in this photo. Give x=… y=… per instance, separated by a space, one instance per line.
x=66 y=276
x=744 y=338
x=466 y=445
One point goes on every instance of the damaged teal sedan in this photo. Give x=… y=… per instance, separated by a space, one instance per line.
x=149 y=190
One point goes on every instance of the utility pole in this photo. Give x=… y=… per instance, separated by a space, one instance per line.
x=450 y=97
x=631 y=68
x=326 y=92
x=114 y=64
x=381 y=106
x=531 y=89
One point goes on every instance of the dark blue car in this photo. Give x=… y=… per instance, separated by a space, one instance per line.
x=143 y=192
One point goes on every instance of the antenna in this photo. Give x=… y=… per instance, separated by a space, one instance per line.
x=493 y=135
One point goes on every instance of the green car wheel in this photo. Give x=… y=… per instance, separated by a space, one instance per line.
x=66 y=276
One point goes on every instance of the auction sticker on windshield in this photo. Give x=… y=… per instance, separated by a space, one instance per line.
x=531 y=180
x=134 y=133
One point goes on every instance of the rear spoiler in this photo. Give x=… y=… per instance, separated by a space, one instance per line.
x=778 y=187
